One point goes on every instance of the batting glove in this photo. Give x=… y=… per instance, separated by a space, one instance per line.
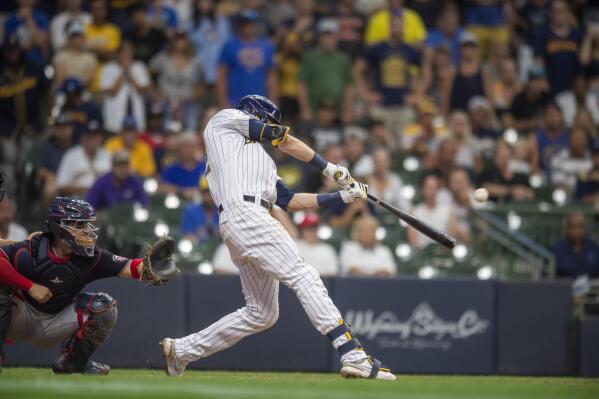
x=355 y=190
x=338 y=174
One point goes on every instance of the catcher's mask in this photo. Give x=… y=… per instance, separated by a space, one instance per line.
x=71 y=220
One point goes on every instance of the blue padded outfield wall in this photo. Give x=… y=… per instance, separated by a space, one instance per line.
x=449 y=326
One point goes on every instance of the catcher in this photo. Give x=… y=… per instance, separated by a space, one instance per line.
x=41 y=282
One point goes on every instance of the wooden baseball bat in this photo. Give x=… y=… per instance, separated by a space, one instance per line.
x=426 y=229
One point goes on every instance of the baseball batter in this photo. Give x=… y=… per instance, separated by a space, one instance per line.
x=244 y=184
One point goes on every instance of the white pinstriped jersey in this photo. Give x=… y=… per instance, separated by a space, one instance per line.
x=237 y=166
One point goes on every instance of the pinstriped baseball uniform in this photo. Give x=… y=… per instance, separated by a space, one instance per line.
x=260 y=247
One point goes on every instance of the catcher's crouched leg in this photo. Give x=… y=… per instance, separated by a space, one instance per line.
x=92 y=333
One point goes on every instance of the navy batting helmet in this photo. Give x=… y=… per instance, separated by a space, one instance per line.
x=261 y=107
x=70 y=220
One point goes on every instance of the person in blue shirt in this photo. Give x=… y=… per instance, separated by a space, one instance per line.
x=447 y=34
x=181 y=178
x=551 y=138
x=246 y=65
x=558 y=48
x=576 y=254
x=31 y=27
x=76 y=109
x=199 y=221
x=117 y=186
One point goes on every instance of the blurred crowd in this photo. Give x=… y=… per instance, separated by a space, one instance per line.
x=422 y=99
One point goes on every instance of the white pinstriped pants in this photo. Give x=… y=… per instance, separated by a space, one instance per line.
x=265 y=254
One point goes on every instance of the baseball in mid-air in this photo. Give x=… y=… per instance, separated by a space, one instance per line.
x=481 y=194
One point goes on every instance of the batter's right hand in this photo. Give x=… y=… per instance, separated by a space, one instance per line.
x=355 y=190
x=40 y=293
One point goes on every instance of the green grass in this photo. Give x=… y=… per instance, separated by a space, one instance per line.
x=17 y=383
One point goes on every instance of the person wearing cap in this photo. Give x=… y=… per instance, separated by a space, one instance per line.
x=140 y=152
x=23 y=85
x=78 y=110
x=423 y=135
x=31 y=27
x=319 y=254
x=378 y=28
x=363 y=256
x=530 y=101
x=587 y=185
x=74 y=60
x=246 y=64
x=179 y=79
x=119 y=186
x=558 y=47
x=102 y=37
x=326 y=72
x=400 y=75
x=51 y=152
x=199 y=220
x=147 y=39
x=124 y=81
x=467 y=79
x=72 y=12
x=82 y=164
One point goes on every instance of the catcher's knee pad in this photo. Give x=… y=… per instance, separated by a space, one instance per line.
x=103 y=314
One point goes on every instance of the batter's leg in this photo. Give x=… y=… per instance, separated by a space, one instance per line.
x=261 y=311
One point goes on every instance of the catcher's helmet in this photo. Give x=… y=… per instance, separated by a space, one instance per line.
x=261 y=107
x=70 y=220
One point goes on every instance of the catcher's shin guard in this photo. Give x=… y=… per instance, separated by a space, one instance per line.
x=5 y=316
x=91 y=335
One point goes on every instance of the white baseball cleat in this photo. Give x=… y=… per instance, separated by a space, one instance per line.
x=367 y=368
x=168 y=351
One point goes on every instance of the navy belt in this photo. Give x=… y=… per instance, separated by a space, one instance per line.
x=252 y=199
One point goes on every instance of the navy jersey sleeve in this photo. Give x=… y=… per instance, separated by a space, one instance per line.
x=107 y=265
x=9 y=251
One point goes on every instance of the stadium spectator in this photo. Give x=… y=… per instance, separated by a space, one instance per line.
x=182 y=176
x=209 y=31
x=502 y=183
x=385 y=184
x=447 y=35
x=78 y=110
x=506 y=86
x=378 y=27
x=486 y=20
x=74 y=60
x=438 y=214
x=587 y=186
x=246 y=65
x=460 y=131
x=316 y=253
x=73 y=12
x=571 y=162
x=578 y=97
x=179 y=80
x=468 y=79
x=558 y=47
x=424 y=135
x=102 y=37
x=51 y=153
x=23 y=85
x=443 y=161
x=124 y=81
x=9 y=230
x=576 y=254
x=532 y=18
x=8 y=163
x=550 y=138
x=326 y=72
x=289 y=58
x=199 y=220
x=430 y=11
x=81 y=165
x=380 y=136
x=528 y=104
x=462 y=195
x=440 y=73
x=589 y=55
x=166 y=154
x=147 y=40
x=400 y=77
x=140 y=152
x=363 y=256
x=162 y=15
x=359 y=161
x=118 y=186
x=324 y=130
x=351 y=27
x=485 y=127
x=30 y=26
x=584 y=120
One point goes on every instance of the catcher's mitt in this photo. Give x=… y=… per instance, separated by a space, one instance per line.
x=159 y=266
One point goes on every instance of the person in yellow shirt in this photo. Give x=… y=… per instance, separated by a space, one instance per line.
x=142 y=158
x=101 y=37
x=378 y=27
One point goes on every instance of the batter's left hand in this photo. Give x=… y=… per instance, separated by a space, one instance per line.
x=338 y=174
